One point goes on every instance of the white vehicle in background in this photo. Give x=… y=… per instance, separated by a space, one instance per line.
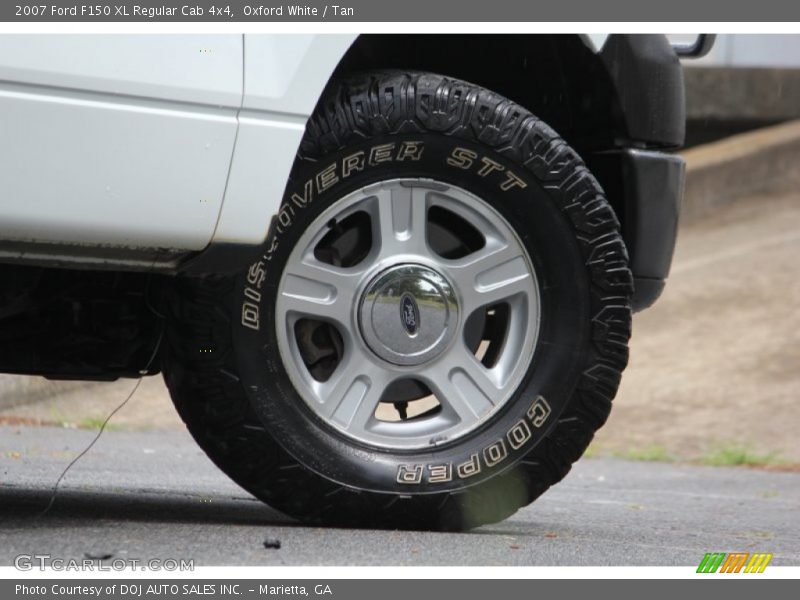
x=379 y=294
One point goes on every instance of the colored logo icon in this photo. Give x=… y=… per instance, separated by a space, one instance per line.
x=734 y=562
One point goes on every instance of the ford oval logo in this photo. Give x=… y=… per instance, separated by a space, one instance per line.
x=409 y=314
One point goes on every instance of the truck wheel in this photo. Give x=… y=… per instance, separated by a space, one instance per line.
x=437 y=325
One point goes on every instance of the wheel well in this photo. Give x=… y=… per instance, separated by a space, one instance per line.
x=557 y=77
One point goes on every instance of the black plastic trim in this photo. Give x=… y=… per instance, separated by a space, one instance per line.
x=645 y=188
x=645 y=292
x=648 y=80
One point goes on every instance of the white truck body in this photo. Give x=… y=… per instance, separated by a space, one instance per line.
x=152 y=141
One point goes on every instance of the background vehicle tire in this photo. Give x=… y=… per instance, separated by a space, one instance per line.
x=235 y=361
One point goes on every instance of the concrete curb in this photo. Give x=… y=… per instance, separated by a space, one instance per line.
x=758 y=94
x=763 y=160
x=17 y=390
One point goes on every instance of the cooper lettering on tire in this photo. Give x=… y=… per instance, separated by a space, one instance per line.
x=436 y=326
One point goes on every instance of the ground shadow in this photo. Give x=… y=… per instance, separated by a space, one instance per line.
x=24 y=507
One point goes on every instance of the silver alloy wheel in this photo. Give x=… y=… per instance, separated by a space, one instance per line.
x=404 y=312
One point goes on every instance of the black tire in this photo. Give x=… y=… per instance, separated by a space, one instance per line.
x=227 y=379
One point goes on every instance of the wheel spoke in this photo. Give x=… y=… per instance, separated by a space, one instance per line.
x=464 y=385
x=349 y=398
x=316 y=289
x=490 y=275
x=400 y=213
x=407 y=320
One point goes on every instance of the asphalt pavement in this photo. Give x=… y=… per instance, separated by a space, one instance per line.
x=154 y=494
